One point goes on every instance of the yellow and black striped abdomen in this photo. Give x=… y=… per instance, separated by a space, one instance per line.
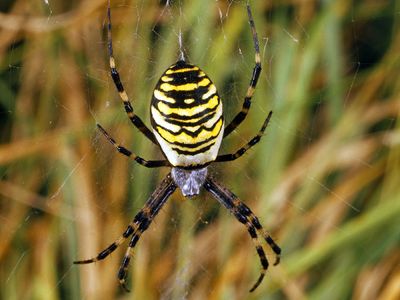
x=186 y=115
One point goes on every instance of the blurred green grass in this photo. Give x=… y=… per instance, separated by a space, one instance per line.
x=324 y=179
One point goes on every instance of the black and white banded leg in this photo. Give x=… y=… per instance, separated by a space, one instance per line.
x=139 y=224
x=238 y=119
x=121 y=91
x=130 y=154
x=251 y=143
x=245 y=216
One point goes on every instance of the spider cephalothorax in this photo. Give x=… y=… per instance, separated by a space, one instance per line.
x=189 y=181
x=188 y=126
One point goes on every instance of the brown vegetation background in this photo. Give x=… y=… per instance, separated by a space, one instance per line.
x=324 y=180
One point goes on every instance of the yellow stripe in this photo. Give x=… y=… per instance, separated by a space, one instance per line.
x=184 y=87
x=204 y=82
x=189 y=100
x=158 y=118
x=169 y=71
x=187 y=139
x=166 y=78
x=165 y=109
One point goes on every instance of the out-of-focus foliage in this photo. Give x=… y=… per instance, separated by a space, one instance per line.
x=324 y=179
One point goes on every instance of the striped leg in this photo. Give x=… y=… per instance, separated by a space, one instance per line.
x=110 y=249
x=139 y=224
x=123 y=269
x=245 y=216
x=121 y=91
x=253 y=141
x=150 y=210
x=253 y=82
x=126 y=152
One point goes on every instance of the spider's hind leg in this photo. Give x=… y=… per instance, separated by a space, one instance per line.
x=139 y=224
x=144 y=219
x=110 y=249
x=245 y=216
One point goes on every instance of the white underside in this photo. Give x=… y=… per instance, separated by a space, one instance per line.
x=181 y=160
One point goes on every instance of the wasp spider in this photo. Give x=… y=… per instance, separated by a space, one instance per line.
x=188 y=125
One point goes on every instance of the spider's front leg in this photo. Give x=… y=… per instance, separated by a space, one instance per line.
x=238 y=119
x=120 y=87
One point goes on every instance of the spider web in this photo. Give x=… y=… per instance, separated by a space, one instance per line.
x=71 y=198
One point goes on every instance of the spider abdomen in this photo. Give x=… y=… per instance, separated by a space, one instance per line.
x=186 y=116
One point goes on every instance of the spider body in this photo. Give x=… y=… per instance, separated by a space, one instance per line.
x=186 y=116
x=188 y=126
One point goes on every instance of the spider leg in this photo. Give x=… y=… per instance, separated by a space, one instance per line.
x=138 y=225
x=245 y=216
x=251 y=143
x=130 y=154
x=123 y=269
x=253 y=82
x=106 y=252
x=148 y=213
x=121 y=91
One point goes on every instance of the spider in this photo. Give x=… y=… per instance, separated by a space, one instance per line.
x=188 y=126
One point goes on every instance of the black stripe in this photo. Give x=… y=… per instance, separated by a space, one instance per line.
x=252 y=232
x=122 y=269
x=179 y=151
x=103 y=254
x=144 y=224
x=180 y=102
x=128 y=232
x=256 y=223
x=128 y=107
x=193 y=145
x=192 y=133
x=242 y=219
x=264 y=262
x=180 y=96
x=184 y=77
x=117 y=80
x=180 y=117
x=124 y=150
x=134 y=240
x=243 y=209
x=256 y=74
x=180 y=64
x=191 y=124
x=274 y=246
